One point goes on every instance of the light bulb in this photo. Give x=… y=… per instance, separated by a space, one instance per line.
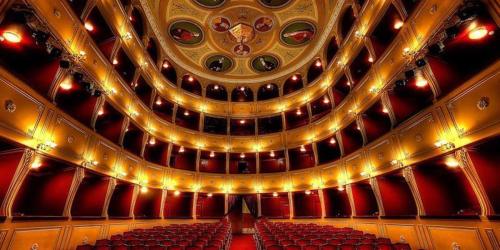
x=209 y=195
x=181 y=149
x=299 y=112
x=11 y=36
x=144 y=189
x=242 y=155
x=88 y=26
x=242 y=88
x=212 y=154
x=66 y=84
x=302 y=148
x=318 y=63
x=242 y=121
x=177 y=192
x=370 y=59
x=341 y=188
x=333 y=141
x=115 y=61
x=186 y=113
x=307 y=192
x=158 y=101
x=269 y=86
x=452 y=162
x=190 y=79
x=100 y=112
x=272 y=154
x=326 y=100
x=385 y=110
x=478 y=33
x=275 y=194
x=152 y=141
x=216 y=87
x=165 y=65
x=398 y=24
x=295 y=78
x=36 y=164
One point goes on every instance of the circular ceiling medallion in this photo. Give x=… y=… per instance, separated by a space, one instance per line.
x=241 y=49
x=186 y=32
x=274 y=3
x=265 y=63
x=210 y=3
x=218 y=63
x=264 y=24
x=298 y=33
x=220 y=24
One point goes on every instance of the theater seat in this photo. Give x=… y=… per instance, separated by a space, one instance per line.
x=401 y=246
x=328 y=247
x=274 y=247
x=292 y=247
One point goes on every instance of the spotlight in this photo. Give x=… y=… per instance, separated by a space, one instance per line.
x=181 y=149
x=54 y=52
x=307 y=192
x=409 y=74
x=65 y=64
x=299 y=112
x=302 y=148
x=216 y=87
x=269 y=86
x=115 y=61
x=177 y=193
x=437 y=48
x=420 y=63
x=452 y=162
x=212 y=154
x=452 y=31
x=144 y=189
x=97 y=93
x=152 y=141
x=401 y=82
x=242 y=121
x=100 y=112
x=158 y=101
x=295 y=78
x=242 y=155
x=318 y=64
x=275 y=194
x=40 y=37
x=420 y=80
x=66 y=84
x=385 y=110
x=242 y=88
x=186 y=113
x=470 y=10
x=341 y=188
x=165 y=65
x=326 y=100
x=370 y=59
x=190 y=79
x=209 y=195
x=36 y=164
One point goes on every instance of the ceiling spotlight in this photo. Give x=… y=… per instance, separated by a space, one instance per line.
x=11 y=36
x=318 y=64
x=212 y=154
x=242 y=155
x=271 y=154
x=398 y=24
x=421 y=82
x=144 y=189
x=295 y=78
x=177 y=192
x=370 y=59
x=158 y=101
x=216 y=87
x=302 y=148
x=269 y=86
x=115 y=61
x=186 y=113
x=242 y=88
x=478 y=33
x=181 y=149
x=385 y=110
x=341 y=188
x=66 y=84
x=165 y=65
x=299 y=112
x=209 y=195
x=358 y=127
x=152 y=141
x=190 y=79
x=88 y=26
x=275 y=194
x=242 y=121
x=348 y=83
x=307 y=192
x=333 y=141
x=326 y=100
x=100 y=112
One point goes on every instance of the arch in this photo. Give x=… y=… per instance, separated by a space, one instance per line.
x=267 y=91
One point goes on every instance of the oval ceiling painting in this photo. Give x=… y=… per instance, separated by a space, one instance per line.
x=241 y=49
x=264 y=24
x=265 y=63
x=298 y=33
x=221 y=24
x=218 y=63
x=186 y=32
x=210 y=3
x=274 y=3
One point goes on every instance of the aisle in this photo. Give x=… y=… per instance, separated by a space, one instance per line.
x=242 y=242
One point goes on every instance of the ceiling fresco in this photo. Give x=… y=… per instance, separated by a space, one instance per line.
x=235 y=40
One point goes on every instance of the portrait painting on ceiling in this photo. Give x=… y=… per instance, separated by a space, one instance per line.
x=298 y=33
x=274 y=3
x=210 y=3
x=264 y=24
x=186 y=32
x=265 y=63
x=218 y=63
x=221 y=24
x=241 y=49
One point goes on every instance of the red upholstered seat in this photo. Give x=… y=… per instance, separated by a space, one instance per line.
x=328 y=247
x=310 y=247
x=347 y=247
x=383 y=246
x=122 y=247
x=286 y=242
x=211 y=247
x=102 y=248
x=274 y=247
x=365 y=247
x=302 y=242
x=84 y=247
x=401 y=246
x=175 y=247
x=193 y=248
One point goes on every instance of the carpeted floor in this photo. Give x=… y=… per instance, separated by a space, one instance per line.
x=243 y=242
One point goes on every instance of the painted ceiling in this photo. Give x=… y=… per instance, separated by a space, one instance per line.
x=242 y=41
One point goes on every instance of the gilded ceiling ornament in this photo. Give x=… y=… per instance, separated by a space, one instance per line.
x=218 y=63
x=220 y=24
x=483 y=103
x=265 y=63
x=10 y=106
x=210 y=3
x=274 y=3
x=264 y=24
